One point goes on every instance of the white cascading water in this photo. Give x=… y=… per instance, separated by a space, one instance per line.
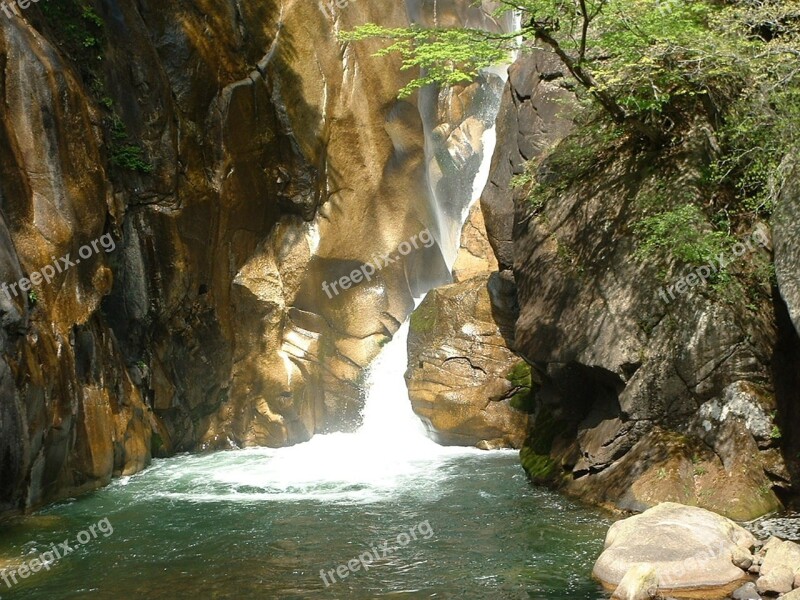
x=388 y=456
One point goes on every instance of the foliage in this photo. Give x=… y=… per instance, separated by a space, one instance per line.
x=447 y=56
x=658 y=71
x=634 y=59
x=124 y=154
x=762 y=125
x=644 y=62
x=79 y=31
x=129 y=156
x=683 y=233
x=573 y=158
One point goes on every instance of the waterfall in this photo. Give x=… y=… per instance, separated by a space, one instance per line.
x=391 y=452
x=387 y=416
x=458 y=154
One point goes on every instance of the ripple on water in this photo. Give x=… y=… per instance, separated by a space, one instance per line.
x=786 y=527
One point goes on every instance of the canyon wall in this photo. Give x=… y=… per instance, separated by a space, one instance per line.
x=239 y=156
x=640 y=399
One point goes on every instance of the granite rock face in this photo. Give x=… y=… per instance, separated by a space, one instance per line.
x=534 y=114
x=475 y=256
x=245 y=158
x=786 y=240
x=465 y=384
x=642 y=399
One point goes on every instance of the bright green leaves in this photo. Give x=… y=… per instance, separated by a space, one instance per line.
x=445 y=56
x=655 y=67
x=762 y=124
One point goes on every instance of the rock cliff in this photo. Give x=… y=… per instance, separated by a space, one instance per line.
x=239 y=156
x=643 y=399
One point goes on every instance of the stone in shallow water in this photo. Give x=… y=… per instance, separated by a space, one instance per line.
x=747 y=592
x=690 y=549
x=639 y=583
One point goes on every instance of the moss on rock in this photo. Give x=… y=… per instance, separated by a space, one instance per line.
x=535 y=453
x=521 y=378
x=539 y=468
x=423 y=319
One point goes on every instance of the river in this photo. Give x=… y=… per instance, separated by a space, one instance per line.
x=383 y=512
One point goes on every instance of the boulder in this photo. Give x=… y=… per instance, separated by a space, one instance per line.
x=779 y=554
x=747 y=592
x=464 y=382
x=795 y=595
x=475 y=256
x=690 y=550
x=778 y=581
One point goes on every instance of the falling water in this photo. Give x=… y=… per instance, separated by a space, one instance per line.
x=386 y=456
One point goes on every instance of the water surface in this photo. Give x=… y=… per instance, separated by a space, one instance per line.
x=263 y=523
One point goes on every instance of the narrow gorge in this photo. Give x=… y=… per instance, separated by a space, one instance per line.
x=359 y=298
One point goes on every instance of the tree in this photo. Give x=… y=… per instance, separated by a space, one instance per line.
x=645 y=62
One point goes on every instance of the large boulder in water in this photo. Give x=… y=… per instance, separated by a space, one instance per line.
x=465 y=383
x=692 y=551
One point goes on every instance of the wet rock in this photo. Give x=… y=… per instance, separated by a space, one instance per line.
x=690 y=550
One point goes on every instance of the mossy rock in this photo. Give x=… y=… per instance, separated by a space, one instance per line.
x=540 y=468
x=423 y=319
x=157 y=447
x=546 y=428
x=535 y=453
x=520 y=377
x=520 y=374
